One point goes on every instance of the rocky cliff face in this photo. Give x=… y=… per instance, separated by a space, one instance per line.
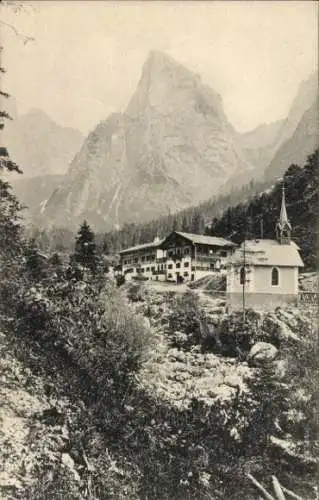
x=303 y=142
x=272 y=147
x=305 y=98
x=172 y=147
x=39 y=145
x=298 y=136
x=33 y=193
x=258 y=144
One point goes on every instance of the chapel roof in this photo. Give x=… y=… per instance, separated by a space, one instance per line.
x=268 y=253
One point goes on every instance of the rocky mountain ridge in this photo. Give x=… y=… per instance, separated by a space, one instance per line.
x=304 y=100
x=301 y=144
x=39 y=145
x=272 y=147
x=172 y=147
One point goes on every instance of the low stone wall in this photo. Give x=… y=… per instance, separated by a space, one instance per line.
x=260 y=300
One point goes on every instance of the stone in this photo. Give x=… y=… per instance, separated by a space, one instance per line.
x=262 y=352
x=68 y=462
x=281 y=367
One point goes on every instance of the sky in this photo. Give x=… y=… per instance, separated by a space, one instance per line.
x=86 y=57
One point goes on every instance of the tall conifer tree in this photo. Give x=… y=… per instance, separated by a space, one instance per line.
x=85 y=252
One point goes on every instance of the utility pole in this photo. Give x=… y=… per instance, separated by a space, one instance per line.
x=244 y=280
x=244 y=268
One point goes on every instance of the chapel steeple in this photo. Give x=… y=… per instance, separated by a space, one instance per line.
x=283 y=227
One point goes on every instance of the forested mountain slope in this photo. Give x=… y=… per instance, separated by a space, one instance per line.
x=252 y=210
x=258 y=217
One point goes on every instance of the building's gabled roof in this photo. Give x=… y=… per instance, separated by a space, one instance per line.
x=268 y=253
x=206 y=240
x=153 y=244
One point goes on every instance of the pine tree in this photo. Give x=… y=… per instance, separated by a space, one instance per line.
x=10 y=208
x=85 y=252
x=5 y=162
x=35 y=263
x=10 y=226
x=106 y=247
x=55 y=260
x=184 y=224
x=174 y=224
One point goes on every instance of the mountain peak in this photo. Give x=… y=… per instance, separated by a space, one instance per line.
x=163 y=84
x=39 y=113
x=133 y=167
x=156 y=57
x=158 y=62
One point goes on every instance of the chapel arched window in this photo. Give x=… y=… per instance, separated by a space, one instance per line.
x=274 y=276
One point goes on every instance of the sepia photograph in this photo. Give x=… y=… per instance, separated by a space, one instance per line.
x=158 y=250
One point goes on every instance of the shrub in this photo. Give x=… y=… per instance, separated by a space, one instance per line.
x=135 y=292
x=94 y=327
x=231 y=336
x=120 y=280
x=186 y=317
x=237 y=337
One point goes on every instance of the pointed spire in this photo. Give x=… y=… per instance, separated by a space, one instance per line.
x=283 y=219
x=283 y=227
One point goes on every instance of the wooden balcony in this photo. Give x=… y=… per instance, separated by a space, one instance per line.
x=207 y=258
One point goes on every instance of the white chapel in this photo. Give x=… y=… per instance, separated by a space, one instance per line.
x=264 y=273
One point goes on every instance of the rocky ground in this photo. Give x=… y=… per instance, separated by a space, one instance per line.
x=309 y=282
x=176 y=375
x=42 y=454
x=27 y=438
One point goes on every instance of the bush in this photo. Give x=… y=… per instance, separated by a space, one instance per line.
x=120 y=280
x=234 y=338
x=135 y=292
x=187 y=321
x=93 y=327
x=237 y=337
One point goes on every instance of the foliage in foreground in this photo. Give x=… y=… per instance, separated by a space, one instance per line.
x=91 y=344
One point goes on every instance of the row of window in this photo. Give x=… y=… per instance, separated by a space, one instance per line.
x=178 y=252
x=145 y=258
x=161 y=269
x=185 y=274
x=178 y=265
x=146 y=269
x=200 y=251
x=274 y=276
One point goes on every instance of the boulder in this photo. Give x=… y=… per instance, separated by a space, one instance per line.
x=261 y=353
x=68 y=462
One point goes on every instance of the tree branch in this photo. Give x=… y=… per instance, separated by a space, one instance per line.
x=25 y=38
x=264 y=492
